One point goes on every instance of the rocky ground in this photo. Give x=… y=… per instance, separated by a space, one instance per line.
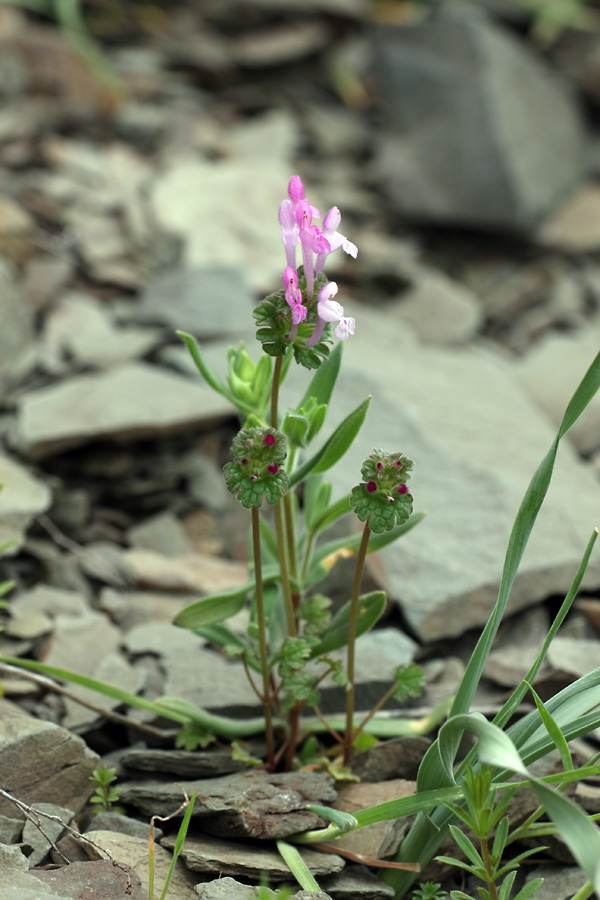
x=465 y=162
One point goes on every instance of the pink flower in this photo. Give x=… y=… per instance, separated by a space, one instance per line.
x=293 y=295
x=289 y=231
x=329 y=310
x=334 y=238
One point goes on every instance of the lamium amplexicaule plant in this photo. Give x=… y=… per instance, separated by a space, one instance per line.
x=293 y=639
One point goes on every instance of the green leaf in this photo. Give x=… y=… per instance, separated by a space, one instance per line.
x=335 y=446
x=213 y=609
x=222 y=636
x=554 y=733
x=207 y=372
x=315 y=612
x=410 y=680
x=466 y=846
x=500 y=839
x=529 y=889
x=181 y=835
x=329 y=515
x=506 y=886
x=323 y=381
x=383 y=511
x=335 y=636
x=344 y=821
x=297 y=867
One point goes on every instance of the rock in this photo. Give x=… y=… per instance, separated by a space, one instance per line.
x=17 y=883
x=193 y=300
x=16 y=231
x=194 y=672
x=573 y=227
x=81 y=328
x=560 y=882
x=132 y=401
x=39 y=839
x=284 y=43
x=378 y=655
x=440 y=310
x=576 y=656
x=163 y=534
x=22 y=498
x=215 y=856
x=41 y=762
x=111 y=821
x=129 y=609
x=398 y=758
x=354 y=882
x=199 y=764
x=228 y=889
x=189 y=572
x=247 y=804
x=99 y=879
x=133 y=852
x=381 y=838
x=460 y=145
x=201 y=201
x=10 y=830
x=551 y=371
x=477 y=439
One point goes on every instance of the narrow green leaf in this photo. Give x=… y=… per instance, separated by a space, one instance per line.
x=529 y=889
x=554 y=732
x=323 y=381
x=181 y=835
x=335 y=446
x=335 y=636
x=466 y=846
x=211 y=610
x=500 y=839
x=297 y=866
x=343 y=821
x=506 y=886
x=221 y=636
x=207 y=372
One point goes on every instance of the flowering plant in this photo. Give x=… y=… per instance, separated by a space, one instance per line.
x=292 y=633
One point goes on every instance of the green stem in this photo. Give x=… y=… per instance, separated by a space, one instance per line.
x=275 y=391
x=262 y=638
x=285 y=578
x=487 y=862
x=352 y=626
x=388 y=694
x=307 y=555
x=290 y=533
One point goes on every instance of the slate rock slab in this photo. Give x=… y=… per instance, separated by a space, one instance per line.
x=16 y=336
x=249 y=804
x=40 y=842
x=133 y=852
x=194 y=300
x=212 y=855
x=132 y=401
x=97 y=879
x=41 y=762
x=199 y=764
x=477 y=438
x=22 y=498
x=479 y=131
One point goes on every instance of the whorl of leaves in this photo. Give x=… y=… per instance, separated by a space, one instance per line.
x=255 y=471
x=383 y=497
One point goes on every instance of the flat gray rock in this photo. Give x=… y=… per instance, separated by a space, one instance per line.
x=39 y=840
x=551 y=371
x=440 y=310
x=251 y=804
x=199 y=764
x=216 y=856
x=194 y=300
x=16 y=337
x=479 y=131
x=476 y=438
x=133 y=401
x=41 y=762
x=22 y=498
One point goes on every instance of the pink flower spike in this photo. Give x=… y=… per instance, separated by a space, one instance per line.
x=295 y=189
x=293 y=295
x=289 y=231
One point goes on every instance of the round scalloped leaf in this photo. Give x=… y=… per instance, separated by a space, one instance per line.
x=383 y=511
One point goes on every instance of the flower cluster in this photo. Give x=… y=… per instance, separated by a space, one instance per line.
x=256 y=471
x=296 y=216
x=383 y=497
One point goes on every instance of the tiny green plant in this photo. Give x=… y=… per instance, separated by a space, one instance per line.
x=105 y=793
x=429 y=890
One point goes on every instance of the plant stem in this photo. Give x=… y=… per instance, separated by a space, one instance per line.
x=352 y=626
x=389 y=693
x=285 y=578
x=487 y=862
x=289 y=532
x=275 y=391
x=262 y=637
